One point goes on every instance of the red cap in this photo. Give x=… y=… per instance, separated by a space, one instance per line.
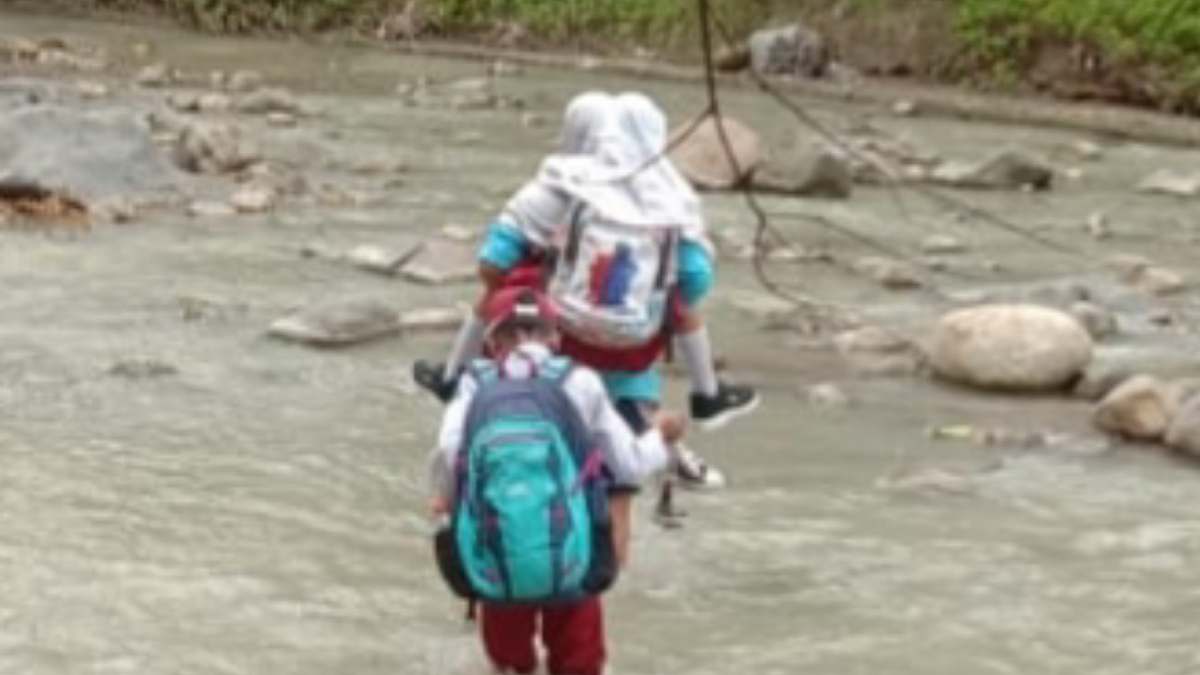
x=518 y=304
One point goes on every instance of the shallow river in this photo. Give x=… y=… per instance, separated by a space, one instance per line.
x=261 y=510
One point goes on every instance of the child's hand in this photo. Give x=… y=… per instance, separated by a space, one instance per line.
x=671 y=425
x=439 y=506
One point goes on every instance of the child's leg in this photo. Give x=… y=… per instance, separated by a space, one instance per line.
x=574 y=638
x=620 y=511
x=508 y=634
x=697 y=274
x=691 y=339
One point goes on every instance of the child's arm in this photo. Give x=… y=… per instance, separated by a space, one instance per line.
x=629 y=458
x=450 y=441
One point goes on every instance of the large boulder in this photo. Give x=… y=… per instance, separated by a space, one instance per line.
x=703 y=160
x=90 y=156
x=1010 y=347
x=1184 y=432
x=1141 y=408
x=795 y=50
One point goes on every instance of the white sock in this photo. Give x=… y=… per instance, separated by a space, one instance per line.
x=468 y=345
x=697 y=353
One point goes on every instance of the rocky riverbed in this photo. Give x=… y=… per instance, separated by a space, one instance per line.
x=185 y=492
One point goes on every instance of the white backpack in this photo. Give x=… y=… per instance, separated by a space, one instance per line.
x=612 y=281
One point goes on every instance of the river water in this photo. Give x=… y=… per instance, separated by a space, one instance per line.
x=261 y=510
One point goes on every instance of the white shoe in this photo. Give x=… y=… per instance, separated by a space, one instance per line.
x=694 y=473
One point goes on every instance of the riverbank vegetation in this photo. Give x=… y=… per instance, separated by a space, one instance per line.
x=1139 y=51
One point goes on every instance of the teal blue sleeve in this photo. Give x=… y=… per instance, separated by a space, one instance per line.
x=503 y=246
x=641 y=386
x=697 y=272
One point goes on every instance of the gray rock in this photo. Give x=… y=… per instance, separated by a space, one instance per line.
x=1184 y=432
x=1159 y=281
x=382 y=260
x=820 y=173
x=1097 y=226
x=1099 y=380
x=891 y=274
x=1099 y=321
x=440 y=262
x=90 y=156
x=941 y=244
x=1010 y=348
x=1006 y=170
x=827 y=395
x=214 y=147
x=763 y=306
x=155 y=75
x=254 y=199
x=702 y=158
x=265 y=101
x=794 y=50
x=433 y=319
x=1171 y=182
x=905 y=108
x=875 y=351
x=244 y=81
x=210 y=209
x=338 y=324
x=92 y=90
x=1142 y=408
x=281 y=120
x=214 y=102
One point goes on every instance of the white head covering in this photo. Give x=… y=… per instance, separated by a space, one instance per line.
x=627 y=177
x=540 y=207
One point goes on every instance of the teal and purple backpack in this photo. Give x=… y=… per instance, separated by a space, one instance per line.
x=531 y=521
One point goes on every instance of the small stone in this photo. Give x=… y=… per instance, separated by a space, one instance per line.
x=889 y=273
x=1159 y=281
x=942 y=245
x=117 y=210
x=155 y=75
x=214 y=102
x=905 y=108
x=253 y=199
x=589 y=63
x=532 y=120
x=265 y=101
x=89 y=89
x=381 y=260
x=828 y=395
x=876 y=351
x=1161 y=316
x=281 y=120
x=210 y=209
x=474 y=102
x=502 y=68
x=1171 y=182
x=218 y=79
x=1099 y=380
x=433 y=319
x=1140 y=408
x=142 y=50
x=243 y=81
x=185 y=102
x=459 y=233
x=1098 y=321
x=762 y=306
x=1087 y=150
x=1127 y=266
x=1097 y=226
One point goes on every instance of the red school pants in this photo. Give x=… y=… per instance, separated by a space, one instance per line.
x=572 y=634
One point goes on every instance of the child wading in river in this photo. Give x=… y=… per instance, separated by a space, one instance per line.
x=528 y=451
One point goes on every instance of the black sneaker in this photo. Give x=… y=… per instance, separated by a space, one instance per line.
x=432 y=377
x=731 y=400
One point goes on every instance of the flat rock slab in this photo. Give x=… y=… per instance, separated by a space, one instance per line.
x=441 y=262
x=339 y=323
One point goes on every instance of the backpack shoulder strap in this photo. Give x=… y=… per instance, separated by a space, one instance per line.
x=556 y=369
x=484 y=371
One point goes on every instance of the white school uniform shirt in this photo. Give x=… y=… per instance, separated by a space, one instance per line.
x=628 y=458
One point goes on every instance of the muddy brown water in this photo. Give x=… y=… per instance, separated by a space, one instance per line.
x=261 y=509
